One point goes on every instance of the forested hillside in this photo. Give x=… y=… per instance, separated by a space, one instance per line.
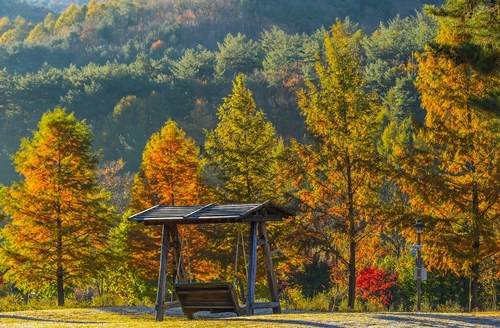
x=107 y=60
x=296 y=14
x=362 y=116
x=30 y=12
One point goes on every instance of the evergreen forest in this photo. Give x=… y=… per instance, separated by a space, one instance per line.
x=361 y=117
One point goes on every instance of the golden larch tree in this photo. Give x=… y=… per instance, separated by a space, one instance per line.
x=57 y=217
x=337 y=177
x=451 y=171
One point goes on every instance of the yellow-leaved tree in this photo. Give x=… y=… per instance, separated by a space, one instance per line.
x=336 y=178
x=451 y=170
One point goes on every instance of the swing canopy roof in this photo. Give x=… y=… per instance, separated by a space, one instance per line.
x=212 y=213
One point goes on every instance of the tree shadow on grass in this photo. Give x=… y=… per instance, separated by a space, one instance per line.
x=443 y=320
x=27 y=318
x=295 y=322
x=127 y=310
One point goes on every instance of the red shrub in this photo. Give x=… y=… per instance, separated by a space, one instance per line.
x=374 y=283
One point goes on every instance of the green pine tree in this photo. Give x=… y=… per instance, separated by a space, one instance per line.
x=241 y=150
x=242 y=157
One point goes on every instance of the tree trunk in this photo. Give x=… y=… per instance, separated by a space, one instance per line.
x=60 y=269
x=60 y=285
x=493 y=293
x=352 y=276
x=474 y=286
x=352 y=234
x=474 y=283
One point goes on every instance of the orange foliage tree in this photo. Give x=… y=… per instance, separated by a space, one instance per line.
x=170 y=175
x=57 y=217
x=336 y=178
x=452 y=169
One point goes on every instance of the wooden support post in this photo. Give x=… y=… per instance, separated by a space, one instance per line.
x=252 y=268
x=162 y=276
x=271 y=280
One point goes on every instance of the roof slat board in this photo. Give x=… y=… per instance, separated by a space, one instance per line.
x=211 y=213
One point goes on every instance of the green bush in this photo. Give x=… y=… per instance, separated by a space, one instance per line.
x=108 y=300
x=375 y=306
x=450 y=307
x=12 y=302
x=358 y=306
x=294 y=299
x=40 y=303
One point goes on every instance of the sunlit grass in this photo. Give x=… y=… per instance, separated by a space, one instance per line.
x=144 y=318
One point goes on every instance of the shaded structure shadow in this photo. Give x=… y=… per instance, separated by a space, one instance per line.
x=425 y=319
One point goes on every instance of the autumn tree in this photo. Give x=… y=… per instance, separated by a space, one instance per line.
x=336 y=178
x=170 y=172
x=19 y=31
x=38 y=33
x=170 y=175
x=72 y=15
x=57 y=217
x=451 y=170
x=5 y=24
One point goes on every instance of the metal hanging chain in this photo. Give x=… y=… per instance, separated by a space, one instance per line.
x=236 y=260
x=243 y=248
x=179 y=260
x=188 y=260
x=241 y=240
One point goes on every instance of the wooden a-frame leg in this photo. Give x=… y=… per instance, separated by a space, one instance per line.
x=162 y=276
x=271 y=280
x=252 y=268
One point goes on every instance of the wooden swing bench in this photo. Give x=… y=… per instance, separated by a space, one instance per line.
x=216 y=297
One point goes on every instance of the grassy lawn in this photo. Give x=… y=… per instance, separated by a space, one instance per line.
x=144 y=318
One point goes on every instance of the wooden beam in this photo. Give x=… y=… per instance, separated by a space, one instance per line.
x=271 y=280
x=252 y=268
x=162 y=276
x=262 y=218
